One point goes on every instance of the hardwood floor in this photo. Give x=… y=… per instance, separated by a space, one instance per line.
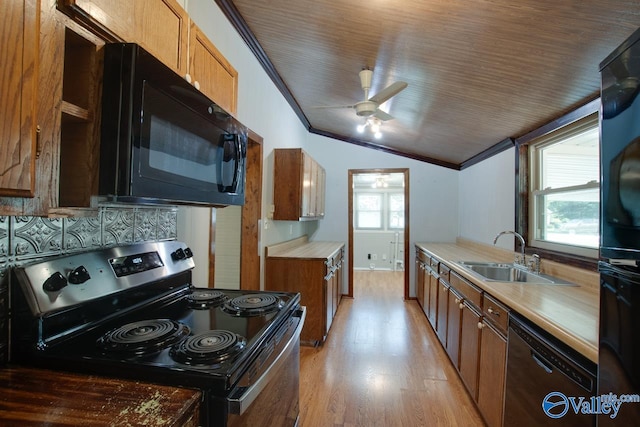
x=381 y=365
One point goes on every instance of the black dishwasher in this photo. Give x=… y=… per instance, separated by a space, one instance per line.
x=548 y=383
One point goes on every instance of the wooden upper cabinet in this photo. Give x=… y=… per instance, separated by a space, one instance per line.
x=159 y=26
x=115 y=17
x=163 y=28
x=163 y=31
x=19 y=42
x=210 y=72
x=298 y=192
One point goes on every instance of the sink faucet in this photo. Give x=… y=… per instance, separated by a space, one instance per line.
x=520 y=260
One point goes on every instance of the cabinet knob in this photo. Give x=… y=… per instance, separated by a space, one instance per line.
x=480 y=325
x=492 y=311
x=187 y=77
x=457 y=300
x=196 y=84
x=461 y=306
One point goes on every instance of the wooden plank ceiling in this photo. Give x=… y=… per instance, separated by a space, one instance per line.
x=479 y=71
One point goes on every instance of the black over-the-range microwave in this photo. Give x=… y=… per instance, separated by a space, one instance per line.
x=162 y=140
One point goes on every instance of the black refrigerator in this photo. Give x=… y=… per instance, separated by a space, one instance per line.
x=619 y=343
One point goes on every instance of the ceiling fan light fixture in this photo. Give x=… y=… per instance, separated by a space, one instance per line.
x=374 y=124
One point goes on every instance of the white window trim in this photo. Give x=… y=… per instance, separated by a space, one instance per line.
x=577 y=127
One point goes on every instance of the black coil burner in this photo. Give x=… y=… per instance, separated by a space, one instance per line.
x=253 y=305
x=144 y=337
x=206 y=298
x=208 y=348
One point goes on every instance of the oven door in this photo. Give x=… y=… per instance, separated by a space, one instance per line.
x=272 y=400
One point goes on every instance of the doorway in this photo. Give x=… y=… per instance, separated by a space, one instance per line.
x=234 y=232
x=379 y=222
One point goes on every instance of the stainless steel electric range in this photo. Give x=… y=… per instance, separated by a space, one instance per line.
x=133 y=312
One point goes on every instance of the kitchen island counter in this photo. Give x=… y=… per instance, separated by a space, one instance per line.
x=39 y=397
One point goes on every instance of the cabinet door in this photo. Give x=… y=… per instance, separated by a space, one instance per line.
x=305 y=206
x=328 y=284
x=163 y=28
x=454 y=316
x=116 y=16
x=419 y=283
x=491 y=375
x=19 y=41
x=443 y=305
x=320 y=191
x=469 y=349
x=425 y=291
x=433 y=300
x=211 y=72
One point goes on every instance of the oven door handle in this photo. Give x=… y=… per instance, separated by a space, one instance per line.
x=240 y=404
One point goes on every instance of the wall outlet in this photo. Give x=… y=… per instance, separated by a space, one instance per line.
x=374 y=256
x=384 y=257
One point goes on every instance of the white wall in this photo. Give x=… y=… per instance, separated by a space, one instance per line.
x=487 y=199
x=433 y=193
x=380 y=245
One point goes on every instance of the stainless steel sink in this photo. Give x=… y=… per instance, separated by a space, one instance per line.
x=497 y=272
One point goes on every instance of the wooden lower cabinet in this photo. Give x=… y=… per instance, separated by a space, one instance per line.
x=454 y=319
x=443 y=305
x=419 y=282
x=432 y=309
x=472 y=327
x=491 y=374
x=314 y=269
x=469 y=348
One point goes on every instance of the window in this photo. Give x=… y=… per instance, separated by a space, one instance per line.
x=564 y=203
x=369 y=211
x=379 y=211
x=396 y=211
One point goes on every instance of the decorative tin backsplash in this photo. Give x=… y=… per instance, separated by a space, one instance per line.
x=24 y=239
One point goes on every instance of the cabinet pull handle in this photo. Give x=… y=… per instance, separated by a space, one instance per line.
x=494 y=312
x=480 y=325
x=38 y=144
x=461 y=306
x=457 y=300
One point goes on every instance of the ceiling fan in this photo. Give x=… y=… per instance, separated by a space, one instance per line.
x=370 y=105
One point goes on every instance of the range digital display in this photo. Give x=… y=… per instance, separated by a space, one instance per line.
x=131 y=264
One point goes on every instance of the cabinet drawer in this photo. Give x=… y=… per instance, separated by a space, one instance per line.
x=468 y=291
x=434 y=264
x=423 y=257
x=444 y=271
x=496 y=313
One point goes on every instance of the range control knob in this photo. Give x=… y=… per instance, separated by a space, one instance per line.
x=55 y=282
x=188 y=253
x=79 y=275
x=178 y=254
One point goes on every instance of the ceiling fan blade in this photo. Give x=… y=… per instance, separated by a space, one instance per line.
x=332 y=106
x=388 y=92
x=382 y=115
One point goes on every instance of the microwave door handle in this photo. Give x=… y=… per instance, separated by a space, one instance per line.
x=238 y=170
x=222 y=186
